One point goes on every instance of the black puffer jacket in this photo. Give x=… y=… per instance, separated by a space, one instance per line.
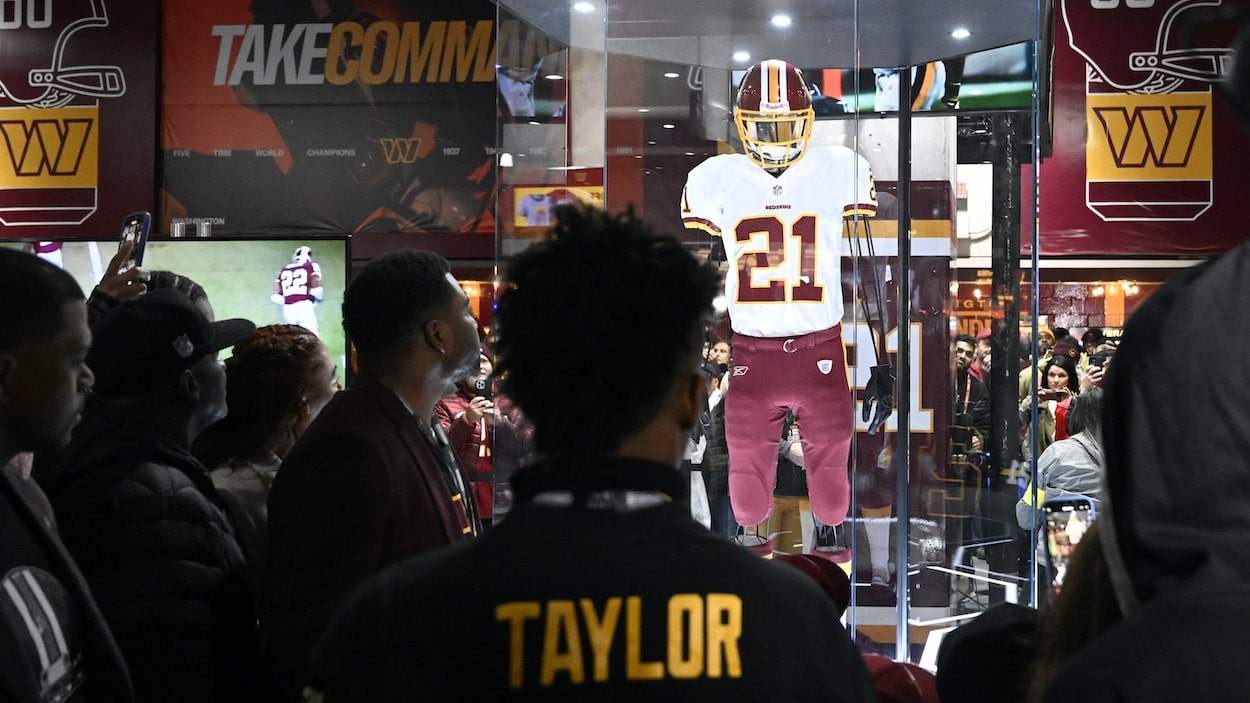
x=1176 y=507
x=140 y=516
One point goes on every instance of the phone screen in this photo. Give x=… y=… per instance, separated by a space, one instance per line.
x=1067 y=520
x=135 y=228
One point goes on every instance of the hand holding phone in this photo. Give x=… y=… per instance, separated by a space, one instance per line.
x=478 y=408
x=123 y=279
x=1052 y=393
x=1092 y=377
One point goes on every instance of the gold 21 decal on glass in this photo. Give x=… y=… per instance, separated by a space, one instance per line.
x=49 y=112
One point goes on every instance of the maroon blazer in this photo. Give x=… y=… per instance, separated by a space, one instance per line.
x=360 y=490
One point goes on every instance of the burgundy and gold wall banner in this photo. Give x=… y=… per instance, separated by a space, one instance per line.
x=364 y=116
x=77 y=99
x=1147 y=158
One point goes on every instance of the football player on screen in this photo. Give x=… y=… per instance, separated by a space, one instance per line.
x=928 y=87
x=779 y=212
x=298 y=290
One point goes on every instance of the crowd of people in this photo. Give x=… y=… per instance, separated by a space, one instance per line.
x=1059 y=379
x=192 y=529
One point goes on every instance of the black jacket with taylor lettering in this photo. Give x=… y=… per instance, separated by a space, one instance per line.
x=590 y=604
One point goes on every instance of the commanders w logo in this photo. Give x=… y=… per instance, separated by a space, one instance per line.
x=50 y=168
x=1144 y=137
x=1162 y=135
x=400 y=151
x=1149 y=157
x=46 y=147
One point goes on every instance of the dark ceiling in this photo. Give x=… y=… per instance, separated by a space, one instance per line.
x=708 y=32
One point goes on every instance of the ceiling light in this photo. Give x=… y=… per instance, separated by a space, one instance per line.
x=584 y=7
x=644 y=109
x=781 y=20
x=672 y=74
x=741 y=56
x=554 y=77
x=669 y=125
x=961 y=33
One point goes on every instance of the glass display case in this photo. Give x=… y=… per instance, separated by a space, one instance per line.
x=921 y=125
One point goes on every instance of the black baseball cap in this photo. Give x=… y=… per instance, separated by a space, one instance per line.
x=149 y=340
x=1093 y=335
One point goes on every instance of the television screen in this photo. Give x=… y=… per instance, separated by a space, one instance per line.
x=241 y=276
x=995 y=79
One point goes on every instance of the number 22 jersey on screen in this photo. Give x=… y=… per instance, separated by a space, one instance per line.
x=782 y=234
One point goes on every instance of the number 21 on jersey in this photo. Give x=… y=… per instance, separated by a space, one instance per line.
x=769 y=256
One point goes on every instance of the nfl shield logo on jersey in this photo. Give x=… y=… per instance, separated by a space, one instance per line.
x=825 y=366
x=776 y=191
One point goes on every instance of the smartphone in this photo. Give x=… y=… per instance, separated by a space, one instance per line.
x=1056 y=394
x=135 y=228
x=483 y=387
x=1067 y=520
x=1101 y=358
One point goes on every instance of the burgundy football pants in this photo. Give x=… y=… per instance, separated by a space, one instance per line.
x=808 y=375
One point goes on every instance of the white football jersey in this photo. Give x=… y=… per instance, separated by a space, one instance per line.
x=295 y=282
x=782 y=234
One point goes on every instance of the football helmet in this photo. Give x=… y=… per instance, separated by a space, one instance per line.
x=33 y=71
x=774 y=114
x=1162 y=68
x=302 y=255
